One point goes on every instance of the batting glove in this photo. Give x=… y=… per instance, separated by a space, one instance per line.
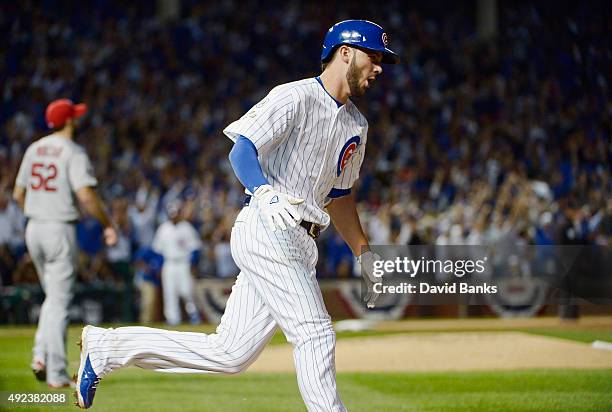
x=277 y=208
x=366 y=260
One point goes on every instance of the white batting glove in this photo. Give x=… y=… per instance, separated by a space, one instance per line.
x=366 y=260
x=277 y=208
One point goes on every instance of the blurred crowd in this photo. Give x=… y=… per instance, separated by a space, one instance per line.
x=471 y=140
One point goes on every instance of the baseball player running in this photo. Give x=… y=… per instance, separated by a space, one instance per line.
x=52 y=170
x=298 y=153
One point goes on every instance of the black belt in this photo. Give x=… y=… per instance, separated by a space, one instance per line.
x=312 y=229
x=68 y=222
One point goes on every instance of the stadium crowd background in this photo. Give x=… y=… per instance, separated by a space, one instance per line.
x=471 y=140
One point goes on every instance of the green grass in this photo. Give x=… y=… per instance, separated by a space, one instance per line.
x=559 y=390
x=136 y=390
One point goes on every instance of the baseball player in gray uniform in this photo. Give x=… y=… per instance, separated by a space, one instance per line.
x=54 y=169
x=298 y=153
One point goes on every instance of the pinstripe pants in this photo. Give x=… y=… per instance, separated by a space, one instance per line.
x=277 y=286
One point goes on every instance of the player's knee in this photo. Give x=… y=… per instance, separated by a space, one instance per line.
x=330 y=336
x=237 y=357
x=326 y=329
x=236 y=367
x=321 y=330
x=235 y=370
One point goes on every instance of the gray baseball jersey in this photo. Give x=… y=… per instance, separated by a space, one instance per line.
x=52 y=169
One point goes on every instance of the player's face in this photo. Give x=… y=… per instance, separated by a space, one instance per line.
x=363 y=69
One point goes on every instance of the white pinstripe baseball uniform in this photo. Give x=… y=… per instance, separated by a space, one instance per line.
x=308 y=146
x=52 y=169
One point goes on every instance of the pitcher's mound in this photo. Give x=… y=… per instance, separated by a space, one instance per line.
x=467 y=351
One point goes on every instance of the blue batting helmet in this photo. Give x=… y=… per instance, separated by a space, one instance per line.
x=358 y=33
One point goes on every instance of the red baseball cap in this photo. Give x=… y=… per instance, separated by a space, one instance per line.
x=59 y=111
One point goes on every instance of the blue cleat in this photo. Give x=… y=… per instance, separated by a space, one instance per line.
x=87 y=380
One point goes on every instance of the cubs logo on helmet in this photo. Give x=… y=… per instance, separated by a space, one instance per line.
x=347 y=151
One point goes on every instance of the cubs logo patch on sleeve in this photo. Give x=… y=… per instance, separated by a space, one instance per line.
x=347 y=151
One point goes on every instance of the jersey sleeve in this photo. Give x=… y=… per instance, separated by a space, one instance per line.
x=268 y=123
x=23 y=174
x=349 y=174
x=80 y=171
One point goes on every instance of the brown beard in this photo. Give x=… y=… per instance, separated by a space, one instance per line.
x=352 y=77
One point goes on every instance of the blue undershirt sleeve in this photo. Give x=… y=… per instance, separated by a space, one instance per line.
x=243 y=158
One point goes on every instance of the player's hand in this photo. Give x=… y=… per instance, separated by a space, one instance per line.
x=110 y=236
x=366 y=260
x=278 y=209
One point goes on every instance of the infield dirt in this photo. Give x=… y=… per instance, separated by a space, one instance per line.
x=453 y=351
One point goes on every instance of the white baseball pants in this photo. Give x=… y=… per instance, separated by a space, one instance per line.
x=177 y=284
x=276 y=287
x=53 y=249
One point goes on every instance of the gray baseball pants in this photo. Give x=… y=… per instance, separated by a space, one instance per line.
x=53 y=249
